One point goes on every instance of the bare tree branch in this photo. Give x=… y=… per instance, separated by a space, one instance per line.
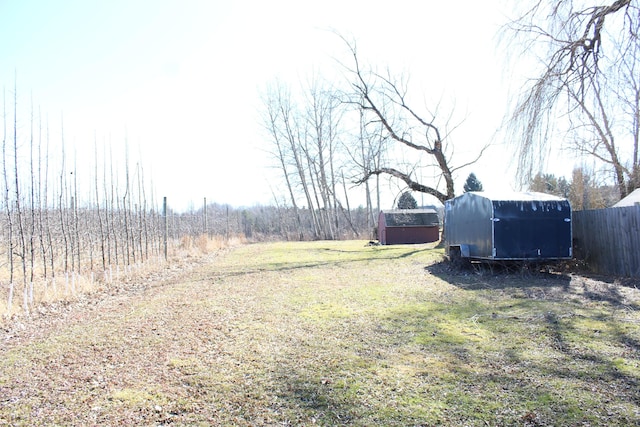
x=412 y=184
x=385 y=99
x=580 y=49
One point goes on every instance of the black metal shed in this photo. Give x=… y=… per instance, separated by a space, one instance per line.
x=508 y=226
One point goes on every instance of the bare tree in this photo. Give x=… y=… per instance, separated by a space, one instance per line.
x=594 y=133
x=384 y=100
x=368 y=156
x=126 y=209
x=75 y=218
x=588 y=58
x=7 y=205
x=305 y=135
x=276 y=111
x=48 y=239
x=323 y=118
x=51 y=225
x=62 y=206
x=628 y=96
x=32 y=210
x=101 y=227
x=22 y=246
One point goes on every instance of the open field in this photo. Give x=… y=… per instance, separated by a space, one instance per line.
x=331 y=333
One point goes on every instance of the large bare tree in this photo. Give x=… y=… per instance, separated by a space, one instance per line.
x=585 y=94
x=367 y=155
x=284 y=127
x=384 y=100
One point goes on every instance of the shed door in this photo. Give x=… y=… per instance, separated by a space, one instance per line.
x=522 y=232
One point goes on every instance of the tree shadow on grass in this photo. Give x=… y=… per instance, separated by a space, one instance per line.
x=611 y=292
x=281 y=267
x=546 y=356
x=601 y=370
x=555 y=384
x=477 y=276
x=384 y=249
x=537 y=280
x=310 y=390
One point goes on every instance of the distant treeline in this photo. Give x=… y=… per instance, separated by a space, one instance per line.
x=259 y=223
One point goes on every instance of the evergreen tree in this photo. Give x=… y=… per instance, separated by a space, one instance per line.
x=407 y=201
x=472 y=183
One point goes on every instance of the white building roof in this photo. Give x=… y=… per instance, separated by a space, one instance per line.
x=631 y=200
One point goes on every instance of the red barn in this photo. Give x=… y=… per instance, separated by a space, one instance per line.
x=402 y=226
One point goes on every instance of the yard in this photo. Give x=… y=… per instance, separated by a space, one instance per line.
x=331 y=333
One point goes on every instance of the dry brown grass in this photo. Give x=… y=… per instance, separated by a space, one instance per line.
x=67 y=287
x=203 y=244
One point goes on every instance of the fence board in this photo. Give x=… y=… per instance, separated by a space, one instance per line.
x=609 y=240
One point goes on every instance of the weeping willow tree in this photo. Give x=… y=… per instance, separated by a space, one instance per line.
x=585 y=95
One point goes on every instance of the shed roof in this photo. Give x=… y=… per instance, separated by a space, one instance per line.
x=631 y=200
x=410 y=217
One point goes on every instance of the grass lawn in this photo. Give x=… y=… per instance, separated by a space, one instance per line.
x=335 y=333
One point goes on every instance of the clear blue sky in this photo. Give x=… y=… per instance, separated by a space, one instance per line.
x=181 y=79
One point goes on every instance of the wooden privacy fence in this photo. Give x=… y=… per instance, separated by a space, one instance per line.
x=609 y=240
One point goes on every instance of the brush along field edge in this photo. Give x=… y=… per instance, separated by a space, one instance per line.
x=49 y=293
x=334 y=333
